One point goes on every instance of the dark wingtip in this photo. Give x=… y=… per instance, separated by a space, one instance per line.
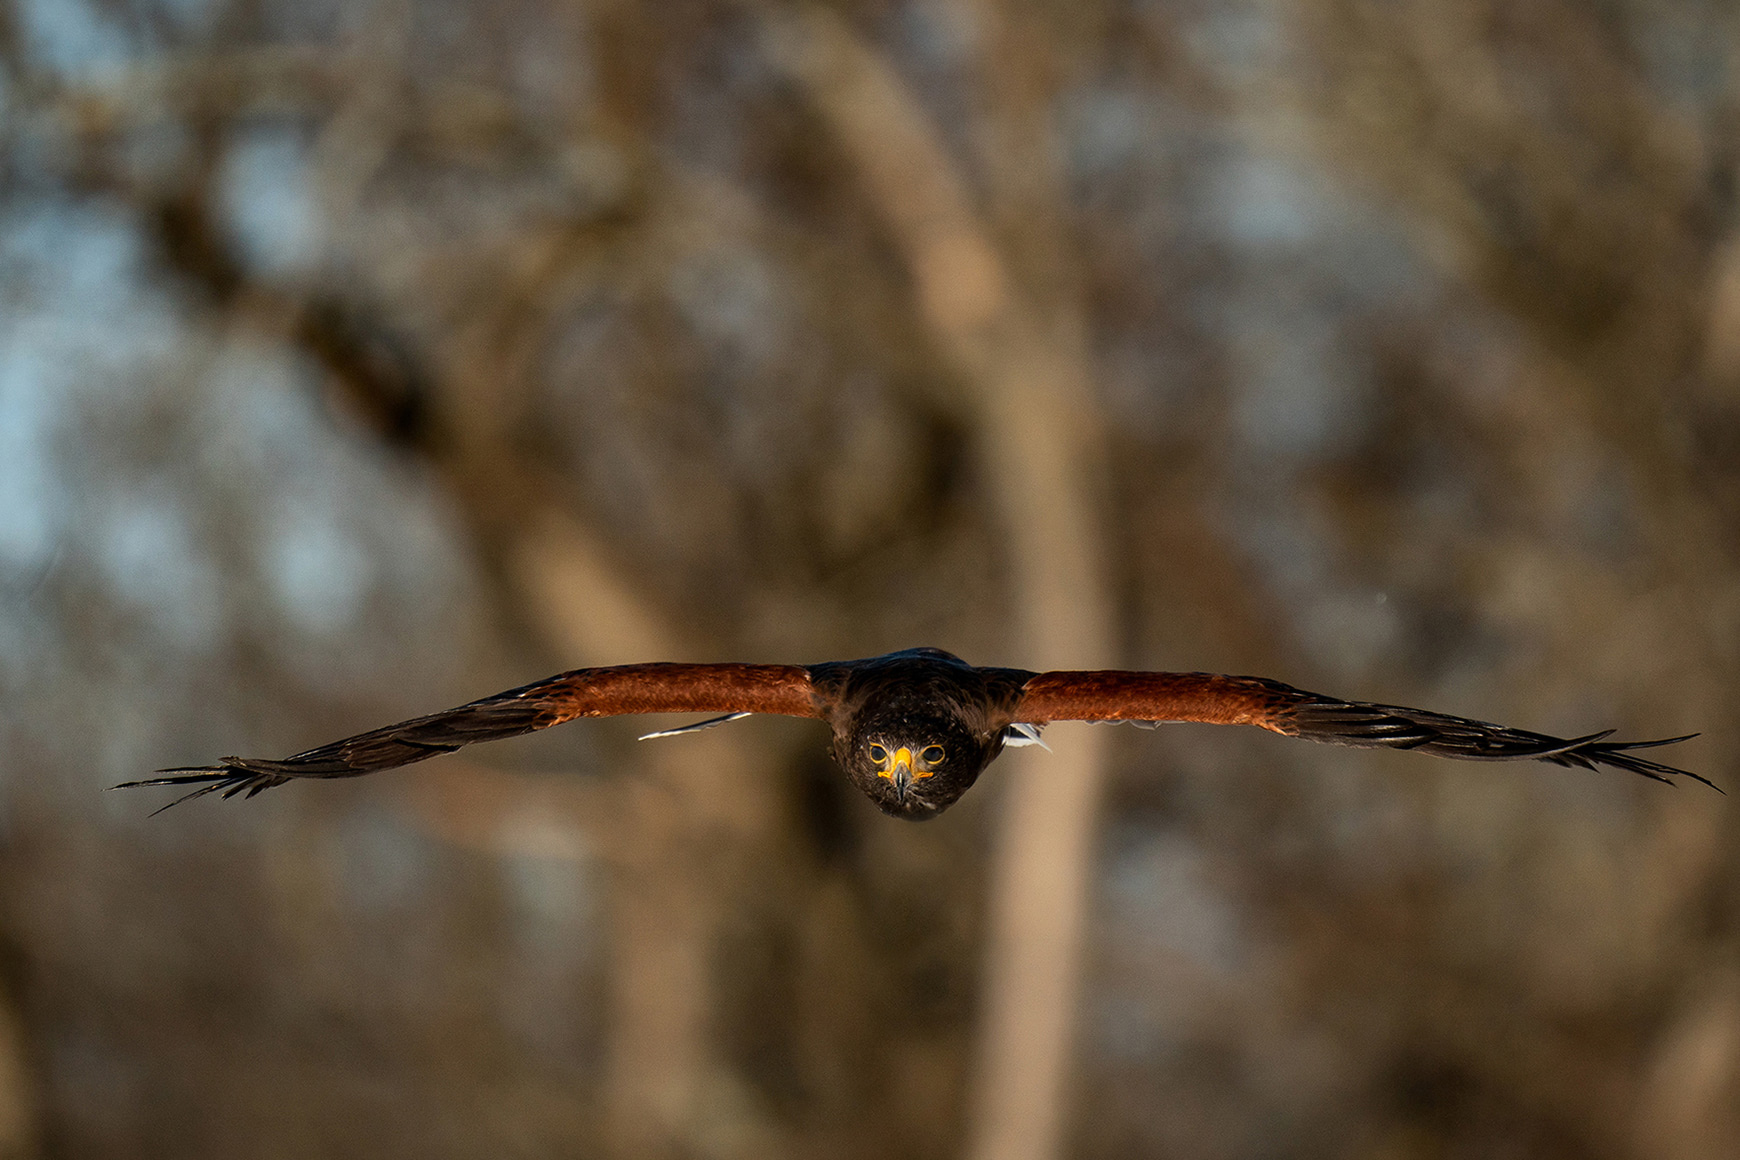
x=1618 y=755
x=231 y=776
x=1663 y=741
x=194 y=772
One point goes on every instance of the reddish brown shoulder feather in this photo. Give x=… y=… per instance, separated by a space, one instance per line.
x=678 y=688
x=1112 y=695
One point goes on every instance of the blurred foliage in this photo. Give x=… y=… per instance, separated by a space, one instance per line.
x=360 y=359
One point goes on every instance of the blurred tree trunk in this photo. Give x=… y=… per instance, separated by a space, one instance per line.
x=1026 y=385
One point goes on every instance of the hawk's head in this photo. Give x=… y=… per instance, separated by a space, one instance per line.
x=913 y=764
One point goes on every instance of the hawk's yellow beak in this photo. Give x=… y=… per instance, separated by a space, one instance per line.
x=903 y=771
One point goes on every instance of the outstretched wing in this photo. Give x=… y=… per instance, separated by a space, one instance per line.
x=1223 y=700
x=602 y=692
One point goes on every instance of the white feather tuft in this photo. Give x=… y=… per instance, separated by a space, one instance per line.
x=1020 y=734
x=696 y=727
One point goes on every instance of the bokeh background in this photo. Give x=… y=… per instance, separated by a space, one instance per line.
x=362 y=358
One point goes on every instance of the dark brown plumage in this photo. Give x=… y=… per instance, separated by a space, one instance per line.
x=914 y=729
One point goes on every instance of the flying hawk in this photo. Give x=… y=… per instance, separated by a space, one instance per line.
x=914 y=729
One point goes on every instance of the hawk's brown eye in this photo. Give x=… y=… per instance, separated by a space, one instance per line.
x=932 y=755
x=878 y=754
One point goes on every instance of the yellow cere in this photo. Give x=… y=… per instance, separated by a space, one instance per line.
x=903 y=756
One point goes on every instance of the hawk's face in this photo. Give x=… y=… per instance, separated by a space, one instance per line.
x=913 y=766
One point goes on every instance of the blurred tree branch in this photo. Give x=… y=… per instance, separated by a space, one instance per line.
x=679 y=845
x=1533 y=154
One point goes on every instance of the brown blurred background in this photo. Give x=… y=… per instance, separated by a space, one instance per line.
x=358 y=359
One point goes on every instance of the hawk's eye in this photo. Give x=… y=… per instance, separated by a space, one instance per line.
x=932 y=755
x=879 y=755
